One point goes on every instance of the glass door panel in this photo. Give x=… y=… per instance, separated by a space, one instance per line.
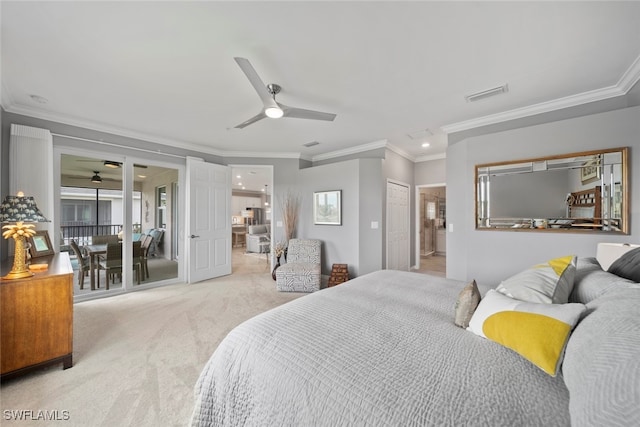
x=91 y=218
x=158 y=222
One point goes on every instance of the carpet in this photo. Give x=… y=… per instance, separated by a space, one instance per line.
x=262 y=256
x=137 y=356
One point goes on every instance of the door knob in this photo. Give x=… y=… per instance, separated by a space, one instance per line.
x=193 y=236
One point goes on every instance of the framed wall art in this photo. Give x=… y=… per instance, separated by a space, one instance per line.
x=327 y=209
x=590 y=171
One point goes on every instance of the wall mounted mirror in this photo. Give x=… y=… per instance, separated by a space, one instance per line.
x=577 y=192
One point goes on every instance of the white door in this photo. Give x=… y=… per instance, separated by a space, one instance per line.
x=209 y=226
x=397 y=226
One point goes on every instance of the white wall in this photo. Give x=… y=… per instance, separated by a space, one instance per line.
x=491 y=256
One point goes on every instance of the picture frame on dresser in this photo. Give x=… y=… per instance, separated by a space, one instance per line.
x=40 y=244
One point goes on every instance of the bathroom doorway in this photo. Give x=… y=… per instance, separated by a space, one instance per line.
x=432 y=229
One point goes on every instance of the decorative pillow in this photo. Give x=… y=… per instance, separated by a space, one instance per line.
x=537 y=332
x=601 y=366
x=549 y=283
x=467 y=302
x=627 y=266
x=591 y=282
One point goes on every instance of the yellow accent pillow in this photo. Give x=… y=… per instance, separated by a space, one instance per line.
x=537 y=332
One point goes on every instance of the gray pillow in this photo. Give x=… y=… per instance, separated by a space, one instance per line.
x=466 y=305
x=627 y=266
x=601 y=367
x=550 y=282
x=591 y=281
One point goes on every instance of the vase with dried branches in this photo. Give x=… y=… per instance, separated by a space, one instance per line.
x=290 y=205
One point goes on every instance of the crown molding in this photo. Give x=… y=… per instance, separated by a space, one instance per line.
x=629 y=78
x=350 y=150
x=30 y=112
x=431 y=157
x=260 y=154
x=401 y=152
x=58 y=118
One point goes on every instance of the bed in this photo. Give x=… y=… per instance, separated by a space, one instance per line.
x=383 y=349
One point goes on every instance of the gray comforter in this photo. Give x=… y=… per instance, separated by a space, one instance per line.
x=381 y=349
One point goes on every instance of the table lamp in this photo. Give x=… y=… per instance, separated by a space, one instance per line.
x=19 y=209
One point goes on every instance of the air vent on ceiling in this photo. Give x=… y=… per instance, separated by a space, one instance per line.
x=311 y=144
x=420 y=134
x=487 y=93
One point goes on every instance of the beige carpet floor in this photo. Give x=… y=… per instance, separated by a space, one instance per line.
x=137 y=356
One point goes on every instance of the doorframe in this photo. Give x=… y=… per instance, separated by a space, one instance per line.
x=416 y=260
x=271 y=169
x=386 y=207
x=128 y=159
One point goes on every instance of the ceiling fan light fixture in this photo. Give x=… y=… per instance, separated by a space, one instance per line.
x=274 y=112
x=96 y=178
x=112 y=165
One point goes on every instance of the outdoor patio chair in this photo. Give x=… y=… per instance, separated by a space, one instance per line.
x=104 y=239
x=84 y=263
x=146 y=246
x=111 y=262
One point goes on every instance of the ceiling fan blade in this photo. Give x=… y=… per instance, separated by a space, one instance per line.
x=256 y=82
x=301 y=113
x=251 y=120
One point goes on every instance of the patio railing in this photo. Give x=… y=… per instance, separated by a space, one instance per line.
x=82 y=233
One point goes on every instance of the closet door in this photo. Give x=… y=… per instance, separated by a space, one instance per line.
x=397 y=226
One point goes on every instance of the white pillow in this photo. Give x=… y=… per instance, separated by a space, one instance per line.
x=538 y=332
x=550 y=282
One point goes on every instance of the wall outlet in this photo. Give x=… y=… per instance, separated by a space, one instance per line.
x=374 y=225
x=279 y=224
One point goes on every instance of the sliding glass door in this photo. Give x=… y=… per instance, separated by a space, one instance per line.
x=117 y=225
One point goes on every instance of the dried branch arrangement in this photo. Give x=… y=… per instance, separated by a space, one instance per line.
x=290 y=205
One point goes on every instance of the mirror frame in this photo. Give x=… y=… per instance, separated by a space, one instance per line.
x=624 y=212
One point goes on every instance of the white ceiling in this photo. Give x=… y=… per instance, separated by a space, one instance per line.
x=164 y=71
x=77 y=171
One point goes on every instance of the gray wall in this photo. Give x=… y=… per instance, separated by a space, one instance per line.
x=490 y=256
x=430 y=172
x=353 y=243
x=339 y=242
x=372 y=206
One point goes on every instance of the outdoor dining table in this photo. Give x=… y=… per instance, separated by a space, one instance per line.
x=93 y=251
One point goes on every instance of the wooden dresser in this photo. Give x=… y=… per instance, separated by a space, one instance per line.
x=36 y=317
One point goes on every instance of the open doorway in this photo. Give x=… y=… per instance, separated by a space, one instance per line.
x=251 y=214
x=431 y=229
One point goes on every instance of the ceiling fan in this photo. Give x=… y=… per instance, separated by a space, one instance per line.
x=272 y=108
x=110 y=163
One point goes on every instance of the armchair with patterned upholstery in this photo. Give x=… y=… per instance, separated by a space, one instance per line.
x=301 y=273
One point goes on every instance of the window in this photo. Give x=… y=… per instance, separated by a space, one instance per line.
x=161 y=207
